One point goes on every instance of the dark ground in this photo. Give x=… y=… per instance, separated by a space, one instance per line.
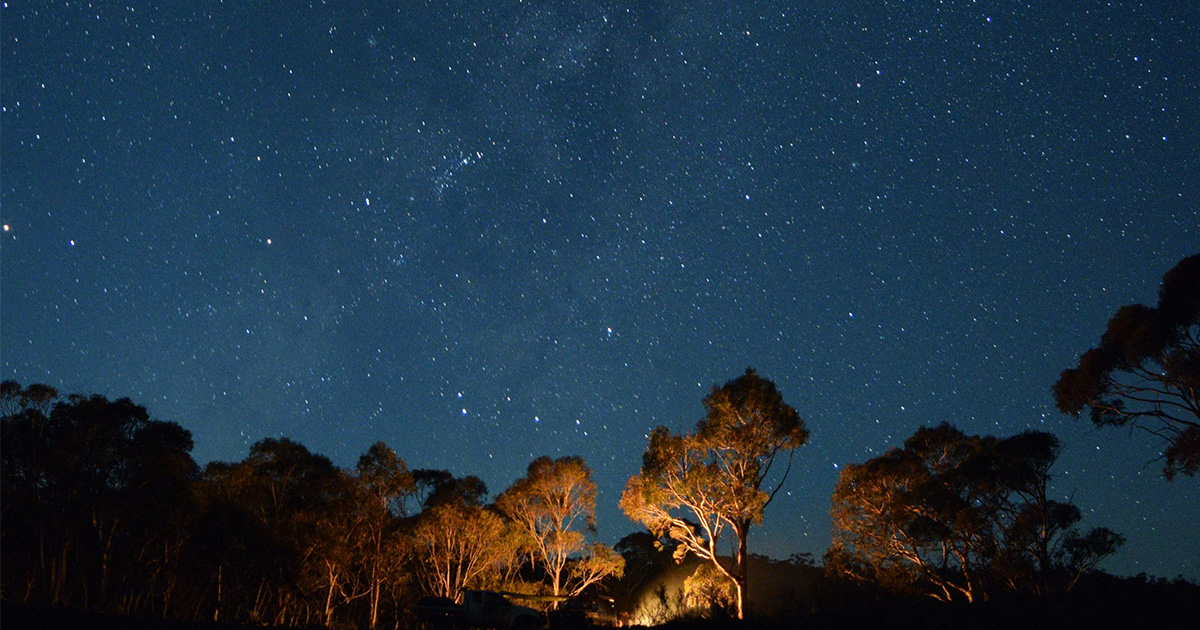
x=1103 y=604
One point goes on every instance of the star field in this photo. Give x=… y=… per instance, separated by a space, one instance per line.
x=488 y=231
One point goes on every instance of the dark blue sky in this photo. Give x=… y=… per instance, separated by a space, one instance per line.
x=488 y=231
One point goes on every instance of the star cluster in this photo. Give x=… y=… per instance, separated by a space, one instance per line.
x=488 y=231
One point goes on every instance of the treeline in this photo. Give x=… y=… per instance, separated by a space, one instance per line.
x=105 y=510
x=952 y=516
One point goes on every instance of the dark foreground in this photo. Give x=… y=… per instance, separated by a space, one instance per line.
x=1102 y=605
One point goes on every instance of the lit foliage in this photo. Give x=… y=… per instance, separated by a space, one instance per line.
x=458 y=543
x=694 y=487
x=554 y=504
x=387 y=484
x=706 y=591
x=954 y=516
x=1146 y=370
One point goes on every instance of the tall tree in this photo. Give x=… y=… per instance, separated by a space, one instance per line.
x=909 y=520
x=457 y=542
x=949 y=515
x=694 y=487
x=295 y=508
x=1146 y=370
x=458 y=545
x=388 y=485
x=95 y=495
x=554 y=504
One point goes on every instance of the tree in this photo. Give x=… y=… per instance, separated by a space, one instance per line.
x=457 y=545
x=435 y=487
x=645 y=555
x=96 y=494
x=907 y=519
x=1146 y=370
x=694 y=487
x=706 y=591
x=388 y=485
x=457 y=542
x=295 y=512
x=554 y=504
x=951 y=516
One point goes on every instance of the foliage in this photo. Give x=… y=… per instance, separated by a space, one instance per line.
x=457 y=545
x=1146 y=370
x=707 y=593
x=388 y=484
x=693 y=488
x=955 y=516
x=104 y=510
x=303 y=510
x=96 y=497
x=554 y=505
x=435 y=487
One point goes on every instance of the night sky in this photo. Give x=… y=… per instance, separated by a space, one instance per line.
x=488 y=231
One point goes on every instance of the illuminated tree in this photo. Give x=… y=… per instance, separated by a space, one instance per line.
x=456 y=546
x=695 y=487
x=554 y=504
x=456 y=541
x=388 y=484
x=1146 y=370
x=949 y=514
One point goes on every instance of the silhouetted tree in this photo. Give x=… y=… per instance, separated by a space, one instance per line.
x=434 y=487
x=645 y=555
x=37 y=398
x=692 y=487
x=301 y=510
x=96 y=495
x=287 y=538
x=950 y=514
x=1146 y=370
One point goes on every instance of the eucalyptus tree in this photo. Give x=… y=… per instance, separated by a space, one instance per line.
x=1146 y=370
x=554 y=505
x=696 y=487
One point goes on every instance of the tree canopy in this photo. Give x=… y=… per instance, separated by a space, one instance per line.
x=955 y=516
x=695 y=487
x=95 y=494
x=554 y=505
x=104 y=510
x=1146 y=370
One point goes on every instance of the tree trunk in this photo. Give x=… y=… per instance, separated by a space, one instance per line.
x=375 y=589
x=739 y=580
x=217 y=609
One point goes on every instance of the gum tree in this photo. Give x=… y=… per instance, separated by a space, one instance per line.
x=695 y=488
x=554 y=505
x=1146 y=370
